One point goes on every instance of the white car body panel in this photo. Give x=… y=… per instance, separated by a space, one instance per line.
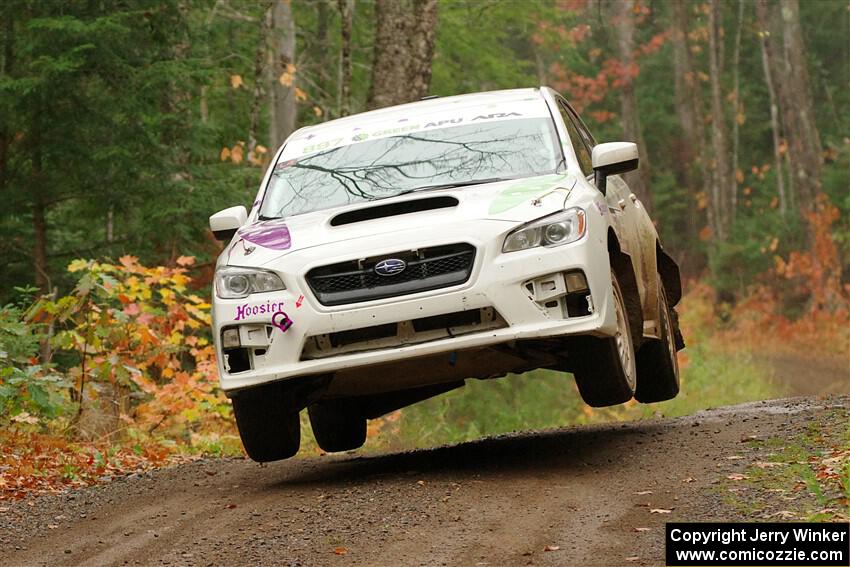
x=485 y=214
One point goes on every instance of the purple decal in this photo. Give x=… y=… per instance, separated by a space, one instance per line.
x=272 y=234
x=247 y=310
x=299 y=301
x=282 y=321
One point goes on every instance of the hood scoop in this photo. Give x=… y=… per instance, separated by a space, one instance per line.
x=394 y=209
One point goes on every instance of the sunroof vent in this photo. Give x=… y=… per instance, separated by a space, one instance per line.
x=394 y=209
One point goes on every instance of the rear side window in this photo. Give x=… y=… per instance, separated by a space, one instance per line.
x=582 y=152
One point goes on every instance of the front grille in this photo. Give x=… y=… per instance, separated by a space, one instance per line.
x=427 y=268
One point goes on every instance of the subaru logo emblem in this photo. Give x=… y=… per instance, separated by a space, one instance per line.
x=390 y=267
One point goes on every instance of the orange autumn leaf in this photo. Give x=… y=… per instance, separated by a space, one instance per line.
x=774 y=244
x=237 y=154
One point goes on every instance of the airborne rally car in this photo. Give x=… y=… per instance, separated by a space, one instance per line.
x=391 y=255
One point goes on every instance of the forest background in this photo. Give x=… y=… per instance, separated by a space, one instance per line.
x=125 y=124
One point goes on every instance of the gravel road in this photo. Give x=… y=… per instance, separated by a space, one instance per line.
x=572 y=496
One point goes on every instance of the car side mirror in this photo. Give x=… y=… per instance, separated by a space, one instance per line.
x=613 y=158
x=224 y=224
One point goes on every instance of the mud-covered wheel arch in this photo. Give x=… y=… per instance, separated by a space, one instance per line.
x=670 y=277
x=668 y=270
x=622 y=265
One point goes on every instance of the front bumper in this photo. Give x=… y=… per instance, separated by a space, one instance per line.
x=498 y=284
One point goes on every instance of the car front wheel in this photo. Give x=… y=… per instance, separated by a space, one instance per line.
x=268 y=425
x=605 y=367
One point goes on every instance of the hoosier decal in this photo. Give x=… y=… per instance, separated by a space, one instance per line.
x=267 y=308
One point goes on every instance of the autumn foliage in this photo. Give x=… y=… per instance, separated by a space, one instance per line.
x=32 y=462
x=144 y=331
x=801 y=303
x=129 y=342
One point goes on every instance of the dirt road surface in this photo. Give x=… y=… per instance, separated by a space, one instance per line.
x=582 y=493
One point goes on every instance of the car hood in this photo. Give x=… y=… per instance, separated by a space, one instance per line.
x=511 y=202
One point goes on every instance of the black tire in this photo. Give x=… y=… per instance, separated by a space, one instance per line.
x=269 y=427
x=657 y=365
x=605 y=367
x=337 y=426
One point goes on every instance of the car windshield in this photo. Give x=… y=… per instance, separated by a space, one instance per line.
x=385 y=167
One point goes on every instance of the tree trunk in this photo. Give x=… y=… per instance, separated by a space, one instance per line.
x=766 y=58
x=720 y=201
x=281 y=73
x=639 y=182
x=422 y=43
x=323 y=55
x=256 y=100
x=39 y=255
x=404 y=48
x=736 y=110
x=6 y=64
x=691 y=145
x=346 y=12
x=203 y=105
x=778 y=71
x=804 y=145
x=540 y=67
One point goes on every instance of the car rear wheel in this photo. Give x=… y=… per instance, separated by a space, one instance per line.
x=269 y=427
x=605 y=367
x=337 y=426
x=657 y=364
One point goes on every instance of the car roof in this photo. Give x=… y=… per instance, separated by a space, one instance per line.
x=424 y=108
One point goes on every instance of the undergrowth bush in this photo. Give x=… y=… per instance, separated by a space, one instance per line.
x=29 y=391
x=140 y=331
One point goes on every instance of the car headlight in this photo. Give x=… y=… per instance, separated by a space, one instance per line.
x=553 y=230
x=235 y=283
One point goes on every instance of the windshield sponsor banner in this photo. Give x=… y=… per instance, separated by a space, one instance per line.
x=364 y=130
x=763 y=545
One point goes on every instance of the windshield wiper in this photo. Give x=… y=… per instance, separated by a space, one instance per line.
x=452 y=185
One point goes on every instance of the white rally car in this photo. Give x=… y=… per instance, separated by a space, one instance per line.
x=393 y=254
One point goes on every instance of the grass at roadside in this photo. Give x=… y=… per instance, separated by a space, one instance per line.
x=805 y=477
